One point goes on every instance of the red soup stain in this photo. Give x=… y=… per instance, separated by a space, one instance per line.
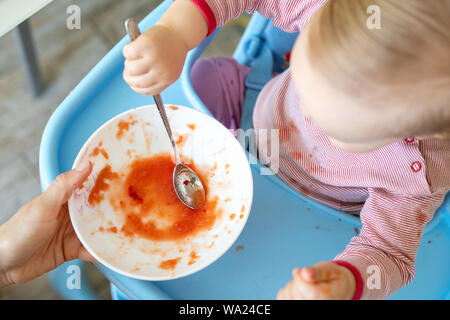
x=169 y=264
x=123 y=126
x=181 y=140
x=284 y=134
x=421 y=218
x=101 y=185
x=194 y=258
x=98 y=150
x=150 y=206
x=191 y=126
x=112 y=229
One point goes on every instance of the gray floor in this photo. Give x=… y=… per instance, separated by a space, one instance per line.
x=65 y=57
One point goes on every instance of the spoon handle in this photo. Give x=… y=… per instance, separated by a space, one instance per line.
x=162 y=113
x=133 y=31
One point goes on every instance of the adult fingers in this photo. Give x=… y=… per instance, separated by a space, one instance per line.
x=62 y=188
x=85 y=255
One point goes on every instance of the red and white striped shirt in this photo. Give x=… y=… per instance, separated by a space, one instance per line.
x=396 y=188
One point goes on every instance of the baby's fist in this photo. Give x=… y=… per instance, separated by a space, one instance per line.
x=323 y=281
x=154 y=60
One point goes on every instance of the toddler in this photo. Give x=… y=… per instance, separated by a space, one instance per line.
x=364 y=115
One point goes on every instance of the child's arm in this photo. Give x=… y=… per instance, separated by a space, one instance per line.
x=380 y=260
x=40 y=236
x=155 y=59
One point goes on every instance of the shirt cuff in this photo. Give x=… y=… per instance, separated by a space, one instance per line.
x=359 y=281
x=205 y=9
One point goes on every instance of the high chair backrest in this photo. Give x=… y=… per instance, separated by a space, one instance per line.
x=260 y=30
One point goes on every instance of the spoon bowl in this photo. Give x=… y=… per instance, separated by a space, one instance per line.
x=188 y=186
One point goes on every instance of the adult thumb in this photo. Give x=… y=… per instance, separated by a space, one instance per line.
x=63 y=186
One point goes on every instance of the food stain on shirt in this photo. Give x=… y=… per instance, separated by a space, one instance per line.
x=285 y=133
x=191 y=126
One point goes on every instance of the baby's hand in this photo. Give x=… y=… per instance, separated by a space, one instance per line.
x=154 y=60
x=324 y=281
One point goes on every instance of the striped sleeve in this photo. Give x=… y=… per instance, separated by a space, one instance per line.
x=384 y=252
x=290 y=16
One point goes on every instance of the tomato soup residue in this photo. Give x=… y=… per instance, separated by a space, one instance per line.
x=123 y=126
x=101 y=185
x=169 y=264
x=101 y=151
x=193 y=258
x=145 y=197
x=181 y=139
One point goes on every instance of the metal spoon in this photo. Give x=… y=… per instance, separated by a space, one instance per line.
x=186 y=182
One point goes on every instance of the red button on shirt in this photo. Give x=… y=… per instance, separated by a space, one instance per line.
x=416 y=166
x=409 y=140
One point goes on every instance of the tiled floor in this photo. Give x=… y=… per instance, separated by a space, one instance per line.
x=65 y=58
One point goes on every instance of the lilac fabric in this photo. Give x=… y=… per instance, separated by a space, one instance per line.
x=220 y=84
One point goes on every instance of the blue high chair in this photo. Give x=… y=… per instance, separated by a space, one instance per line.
x=284 y=229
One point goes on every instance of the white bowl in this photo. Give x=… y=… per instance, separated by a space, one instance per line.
x=213 y=149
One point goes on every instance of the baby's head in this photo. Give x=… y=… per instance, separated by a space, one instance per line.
x=366 y=87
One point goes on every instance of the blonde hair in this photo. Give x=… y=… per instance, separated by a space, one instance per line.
x=407 y=59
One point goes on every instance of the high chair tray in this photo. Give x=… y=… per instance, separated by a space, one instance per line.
x=284 y=229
